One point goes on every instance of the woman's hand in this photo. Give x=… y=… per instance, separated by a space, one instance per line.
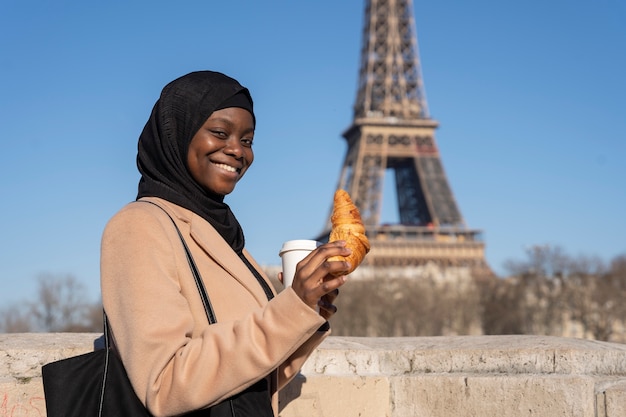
x=314 y=281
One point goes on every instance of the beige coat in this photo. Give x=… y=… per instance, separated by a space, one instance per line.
x=174 y=359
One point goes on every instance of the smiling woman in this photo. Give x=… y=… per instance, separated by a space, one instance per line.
x=195 y=147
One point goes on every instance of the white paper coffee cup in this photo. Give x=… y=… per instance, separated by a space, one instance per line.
x=292 y=252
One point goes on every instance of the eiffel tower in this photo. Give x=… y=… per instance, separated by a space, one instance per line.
x=392 y=131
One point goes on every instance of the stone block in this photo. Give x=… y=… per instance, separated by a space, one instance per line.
x=21 y=398
x=611 y=399
x=326 y=396
x=441 y=395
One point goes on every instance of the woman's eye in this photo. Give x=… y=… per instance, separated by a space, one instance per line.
x=246 y=142
x=219 y=133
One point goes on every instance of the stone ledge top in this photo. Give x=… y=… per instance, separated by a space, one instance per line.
x=23 y=354
x=514 y=354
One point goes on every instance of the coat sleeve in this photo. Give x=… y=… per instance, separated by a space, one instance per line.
x=175 y=364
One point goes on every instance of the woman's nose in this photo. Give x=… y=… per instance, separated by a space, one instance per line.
x=234 y=148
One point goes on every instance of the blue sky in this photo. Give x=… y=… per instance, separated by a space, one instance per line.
x=529 y=97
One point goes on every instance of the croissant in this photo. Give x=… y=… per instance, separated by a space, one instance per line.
x=347 y=225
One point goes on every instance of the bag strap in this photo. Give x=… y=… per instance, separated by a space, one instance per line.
x=206 y=302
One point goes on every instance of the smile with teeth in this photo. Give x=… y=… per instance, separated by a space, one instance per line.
x=227 y=167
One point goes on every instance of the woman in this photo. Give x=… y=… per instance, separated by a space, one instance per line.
x=193 y=150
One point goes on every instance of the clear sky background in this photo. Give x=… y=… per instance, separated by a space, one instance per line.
x=530 y=97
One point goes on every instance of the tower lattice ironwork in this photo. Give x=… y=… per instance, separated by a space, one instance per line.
x=392 y=132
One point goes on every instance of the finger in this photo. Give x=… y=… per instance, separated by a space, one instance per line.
x=327 y=310
x=280 y=277
x=328 y=250
x=336 y=243
x=331 y=296
x=316 y=263
x=337 y=268
x=326 y=289
x=326 y=305
x=335 y=248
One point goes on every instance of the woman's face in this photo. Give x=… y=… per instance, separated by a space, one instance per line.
x=221 y=151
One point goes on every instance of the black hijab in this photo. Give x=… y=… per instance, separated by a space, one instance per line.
x=183 y=107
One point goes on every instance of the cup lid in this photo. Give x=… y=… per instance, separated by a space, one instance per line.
x=299 y=244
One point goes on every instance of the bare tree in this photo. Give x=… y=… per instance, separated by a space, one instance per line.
x=541 y=260
x=61 y=306
x=418 y=306
x=13 y=319
x=596 y=294
x=551 y=291
x=502 y=306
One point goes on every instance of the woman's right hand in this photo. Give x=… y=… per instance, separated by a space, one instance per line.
x=316 y=276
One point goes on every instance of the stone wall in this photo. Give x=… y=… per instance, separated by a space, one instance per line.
x=485 y=376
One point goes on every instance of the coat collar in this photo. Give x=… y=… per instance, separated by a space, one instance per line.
x=211 y=242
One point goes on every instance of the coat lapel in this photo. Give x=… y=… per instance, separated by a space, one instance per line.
x=216 y=247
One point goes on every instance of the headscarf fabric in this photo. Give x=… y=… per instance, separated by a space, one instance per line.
x=182 y=108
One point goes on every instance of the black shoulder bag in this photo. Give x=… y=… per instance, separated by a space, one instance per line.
x=95 y=384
